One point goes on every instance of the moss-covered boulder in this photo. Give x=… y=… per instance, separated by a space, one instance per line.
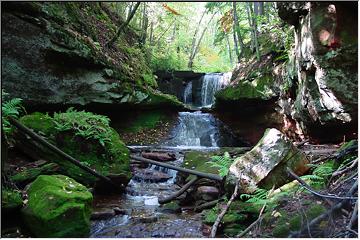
x=83 y=135
x=11 y=200
x=58 y=206
x=265 y=165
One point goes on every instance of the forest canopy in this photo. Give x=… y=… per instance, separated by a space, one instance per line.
x=207 y=37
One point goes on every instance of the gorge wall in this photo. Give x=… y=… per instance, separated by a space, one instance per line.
x=314 y=91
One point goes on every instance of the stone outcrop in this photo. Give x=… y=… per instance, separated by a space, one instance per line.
x=265 y=165
x=58 y=206
x=174 y=82
x=54 y=54
x=323 y=68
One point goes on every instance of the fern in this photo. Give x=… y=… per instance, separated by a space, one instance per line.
x=222 y=162
x=320 y=174
x=85 y=124
x=11 y=108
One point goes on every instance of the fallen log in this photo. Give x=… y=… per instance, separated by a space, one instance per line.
x=206 y=205
x=69 y=158
x=185 y=170
x=163 y=157
x=178 y=193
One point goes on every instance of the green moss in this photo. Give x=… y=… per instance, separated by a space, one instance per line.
x=172 y=207
x=233 y=217
x=281 y=231
x=315 y=211
x=10 y=199
x=147 y=120
x=295 y=223
x=209 y=216
x=245 y=207
x=86 y=137
x=199 y=161
x=30 y=174
x=58 y=206
x=232 y=230
x=39 y=122
x=161 y=99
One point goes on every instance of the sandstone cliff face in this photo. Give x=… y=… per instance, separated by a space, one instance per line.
x=324 y=65
x=315 y=89
x=54 y=54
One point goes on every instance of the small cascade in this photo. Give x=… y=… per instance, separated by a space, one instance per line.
x=188 y=93
x=198 y=129
x=202 y=93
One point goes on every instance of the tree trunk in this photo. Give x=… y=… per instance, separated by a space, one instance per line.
x=229 y=49
x=193 y=42
x=144 y=25
x=236 y=27
x=123 y=25
x=196 y=50
x=151 y=35
x=252 y=20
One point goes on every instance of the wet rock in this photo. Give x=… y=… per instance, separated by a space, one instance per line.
x=149 y=175
x=148 y=219
x=171 y=207
x=58 y=206
x=207 y=193
x=120 y=211
x=101 y=215
x=265 y=165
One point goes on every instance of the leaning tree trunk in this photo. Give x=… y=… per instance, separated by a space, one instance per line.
x=123 y=25
x=196 y=50
x=193 y=42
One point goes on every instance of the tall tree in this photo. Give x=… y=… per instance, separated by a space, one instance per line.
x=236 y=27
x=229 y=48
x=193 y=42
x=196 y=49
x=253 y=25
x=144 y=24
x=123 y=25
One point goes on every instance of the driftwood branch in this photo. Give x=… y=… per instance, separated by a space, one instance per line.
x=222 y=214
x=307 y=187
x=178 y=193
x=53 y=148
x=185 y=170
x=329 y=212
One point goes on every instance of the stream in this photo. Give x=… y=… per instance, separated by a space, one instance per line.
x=139 y=213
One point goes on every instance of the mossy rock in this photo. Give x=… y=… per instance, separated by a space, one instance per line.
x=147 y=120
x=39 y=122
x=199 y=161
x=10 y=200
x=245 y=207
x=30 y=174
x=58 y=206
x=171 y=207
x=111 y=157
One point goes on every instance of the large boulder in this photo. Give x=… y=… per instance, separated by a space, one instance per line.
x=265 y=165
x=54 y=54
x=325 y=64
x=100 y=148
x=58 y=206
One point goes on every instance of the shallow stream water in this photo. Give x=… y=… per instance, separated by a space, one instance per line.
x=139 y=212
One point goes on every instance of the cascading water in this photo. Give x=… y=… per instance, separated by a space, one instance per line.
x=188 y=93
x=211 y=83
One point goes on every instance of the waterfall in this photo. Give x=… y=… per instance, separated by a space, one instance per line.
x=188 y=93
x=211 y=83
